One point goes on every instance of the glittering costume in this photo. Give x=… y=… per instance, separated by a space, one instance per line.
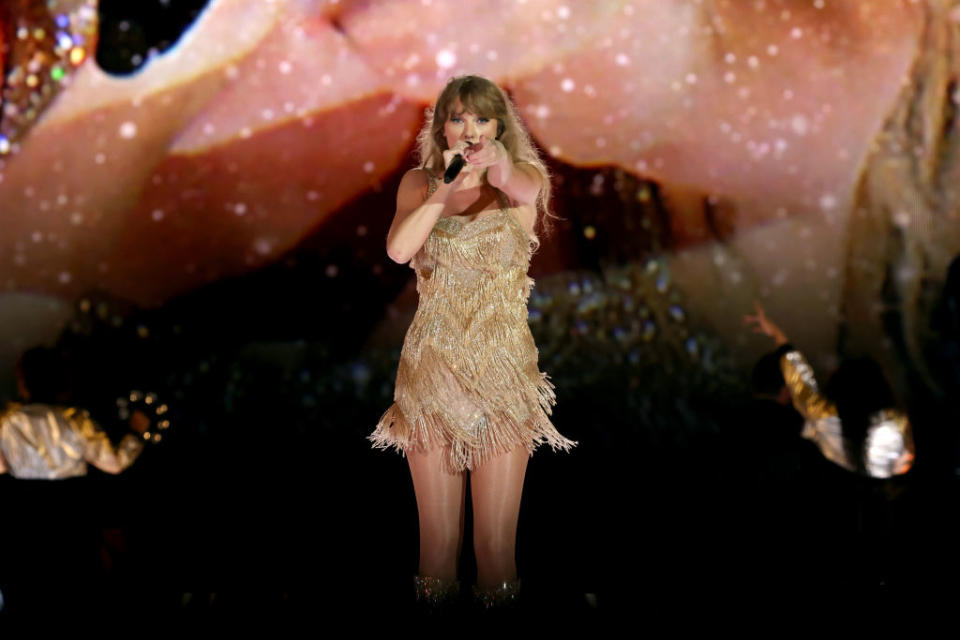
x=888 y=447
x=39 y=441
x=468 y=376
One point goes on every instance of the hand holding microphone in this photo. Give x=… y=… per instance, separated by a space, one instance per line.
x=455 y=161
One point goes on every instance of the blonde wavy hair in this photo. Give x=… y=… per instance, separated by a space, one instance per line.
x=485 y=99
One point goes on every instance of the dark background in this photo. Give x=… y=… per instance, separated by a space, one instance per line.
x=266 y=501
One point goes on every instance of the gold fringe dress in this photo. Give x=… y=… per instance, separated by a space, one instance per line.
x=468 y=379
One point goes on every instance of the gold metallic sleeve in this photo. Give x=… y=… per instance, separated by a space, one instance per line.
x=798 y=376
x=97 y=448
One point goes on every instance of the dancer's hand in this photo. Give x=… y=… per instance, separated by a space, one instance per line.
x=762 y=324
x=139 y=421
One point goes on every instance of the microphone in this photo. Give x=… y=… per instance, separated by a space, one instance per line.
x=453 y=170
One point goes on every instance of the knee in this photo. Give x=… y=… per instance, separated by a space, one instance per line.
x=440 y=542
x=494 y=545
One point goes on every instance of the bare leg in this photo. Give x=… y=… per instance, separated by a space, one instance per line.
x=440 y=505
x=497 y=486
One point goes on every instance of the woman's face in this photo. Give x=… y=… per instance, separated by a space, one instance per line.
x=465 y=126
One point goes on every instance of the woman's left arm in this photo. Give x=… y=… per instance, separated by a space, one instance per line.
x=520 y=181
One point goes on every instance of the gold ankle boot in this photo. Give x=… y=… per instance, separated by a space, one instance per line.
x=435 y=594
x=503 y=596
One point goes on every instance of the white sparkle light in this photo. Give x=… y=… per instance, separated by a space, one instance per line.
x=263 y=246
x=446 y=58
x=368 y=166
x=128 y=130
x=157 y=215
x=240 y=208
x=799 y=124
x=285 y=67
x=622 y=59
x=567 y=84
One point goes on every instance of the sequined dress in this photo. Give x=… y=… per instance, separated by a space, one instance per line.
x=468 y=378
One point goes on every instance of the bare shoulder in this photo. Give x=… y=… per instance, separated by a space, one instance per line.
x=414 y=180
x=412 y=191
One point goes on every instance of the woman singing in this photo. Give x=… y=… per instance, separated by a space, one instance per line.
x=469 y=395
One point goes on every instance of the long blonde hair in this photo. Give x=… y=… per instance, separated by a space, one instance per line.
x=485 y=99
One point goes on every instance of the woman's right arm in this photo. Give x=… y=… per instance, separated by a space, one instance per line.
x=797 y=374
x=806 y=396
x=415 y=216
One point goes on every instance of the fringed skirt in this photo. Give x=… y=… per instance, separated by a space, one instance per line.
x=474 y=410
